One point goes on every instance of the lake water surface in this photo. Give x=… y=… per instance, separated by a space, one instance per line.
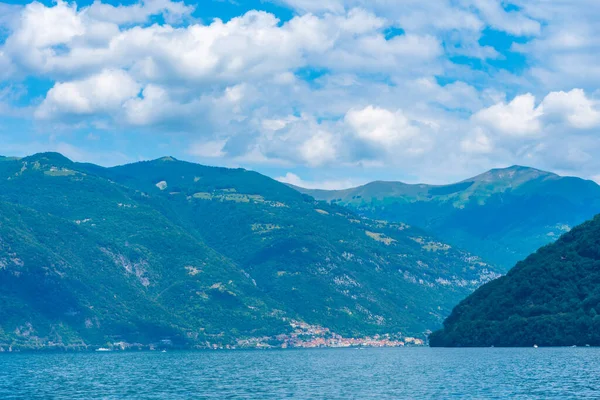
x=414 y=373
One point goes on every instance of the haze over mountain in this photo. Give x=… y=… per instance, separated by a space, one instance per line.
x=169 y=250
x=550 y=299
x=502 y=215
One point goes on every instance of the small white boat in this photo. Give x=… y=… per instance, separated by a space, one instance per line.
x=102 y=349
x=164 y=351
x=535 y=346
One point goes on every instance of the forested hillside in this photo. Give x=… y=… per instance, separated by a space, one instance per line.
x=502 y=215
x=550 y=299
x=199 y=256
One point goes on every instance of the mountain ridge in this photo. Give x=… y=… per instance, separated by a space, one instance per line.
x=205 y=256
x=502 y=214
x=478 y=177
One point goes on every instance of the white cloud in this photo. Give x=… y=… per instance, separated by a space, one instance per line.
x=173 y=11
x=8 y=95
x=146 y=109
x=9 y=15
x=375 y=97
x=196 y=71
x=478 y=142
x=566 y=54
x=574 y=106
x=417 y=15
x=43 y=26
x=380 y=126
x=334 y=184
x=520 y=117
x=336 y=6
x=558 y=134
x=233 y=51
x=278 y=124
x=209 y=149
x=319 y=149
x=102 y=93
x=512 y=22
x=456 y=95
x=443 y=15
x=374 y=52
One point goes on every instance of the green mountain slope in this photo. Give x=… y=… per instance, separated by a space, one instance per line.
x=201 y=256
x=502 y=215
x=550 y=299
x=84 y=254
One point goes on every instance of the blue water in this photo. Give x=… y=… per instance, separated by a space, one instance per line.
x=414 y=373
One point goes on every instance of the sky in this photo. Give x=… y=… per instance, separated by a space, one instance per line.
x=323 y=94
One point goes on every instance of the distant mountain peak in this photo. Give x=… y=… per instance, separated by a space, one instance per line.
x=514 y=174
x=51 y=157
x=167 y=159
x=381 y=182
x=520 y=169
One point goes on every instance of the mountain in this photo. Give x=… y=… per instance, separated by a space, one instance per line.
x=167 y=251
x=550 y=299
x=502 y=215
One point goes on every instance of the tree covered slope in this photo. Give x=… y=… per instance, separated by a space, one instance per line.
x=502 y=215
x=172 y=251
x=550 y=299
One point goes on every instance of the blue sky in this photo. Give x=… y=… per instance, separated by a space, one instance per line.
x=327 y=94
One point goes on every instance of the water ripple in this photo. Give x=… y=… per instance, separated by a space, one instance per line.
x=560 y=373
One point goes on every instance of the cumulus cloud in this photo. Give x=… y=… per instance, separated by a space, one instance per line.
x=295 y=180
x=566 y=54
x=442 y=14
x=242 y=48
x=312 y=6
x=574 y=106
x=513 y=22
x=9 y=14
x=208 y=149
x=319 y=149
x=380 y=126
x=172 y=11
x=197 y=71
x=520 y=117
x=353 y=83
x=477 y=142
x=559 y=132
x=101 y=93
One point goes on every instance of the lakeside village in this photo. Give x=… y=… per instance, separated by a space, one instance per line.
x=314 y=336
x=306 y=336
x=303 y=335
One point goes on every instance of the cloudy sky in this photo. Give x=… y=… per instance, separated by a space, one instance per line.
x=321 y=93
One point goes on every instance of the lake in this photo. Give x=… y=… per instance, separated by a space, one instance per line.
x=560 y=373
